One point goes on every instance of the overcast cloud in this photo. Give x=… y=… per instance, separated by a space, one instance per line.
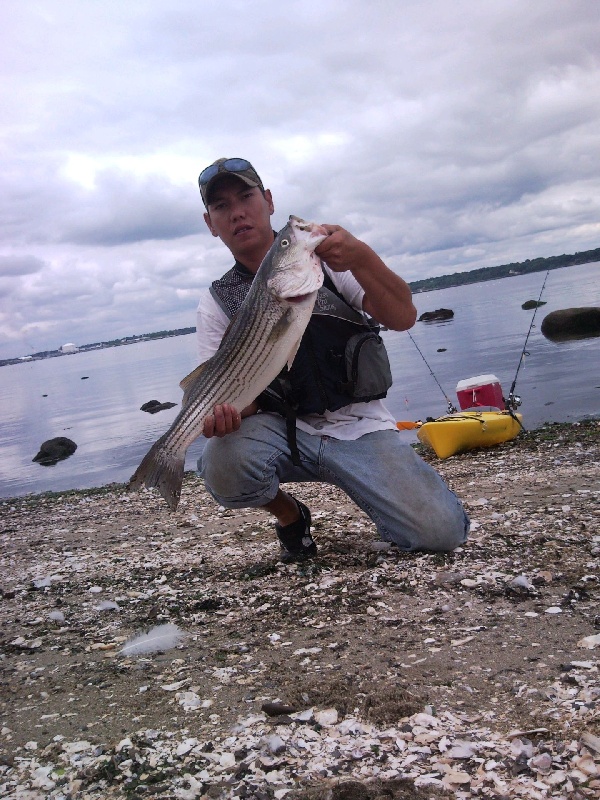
x=449 y=135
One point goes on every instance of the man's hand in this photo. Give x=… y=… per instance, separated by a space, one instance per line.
x=341 y=250
x=387 y=297
x=226 y=419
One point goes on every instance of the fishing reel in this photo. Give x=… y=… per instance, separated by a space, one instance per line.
x=513 y=402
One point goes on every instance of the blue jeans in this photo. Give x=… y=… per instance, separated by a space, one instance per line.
x=407 y=500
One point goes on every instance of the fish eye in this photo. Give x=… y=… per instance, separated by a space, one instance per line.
x=285 y=242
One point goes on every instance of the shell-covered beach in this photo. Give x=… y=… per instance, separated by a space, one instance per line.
x=367 y=673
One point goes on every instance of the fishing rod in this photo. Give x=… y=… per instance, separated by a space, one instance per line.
x=451 y=408
x=514 y=401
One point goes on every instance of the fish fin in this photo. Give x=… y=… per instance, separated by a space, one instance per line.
x=281 y=326
x=162 y=470
x=189 y=380
x=293 y=352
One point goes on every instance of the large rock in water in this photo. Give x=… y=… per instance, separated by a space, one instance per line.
x=153 y=406
x=54 y=450
x=438 y=314
x=528 y=304
x=572 y=323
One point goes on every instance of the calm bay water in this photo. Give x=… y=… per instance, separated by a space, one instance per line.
x=94 y=398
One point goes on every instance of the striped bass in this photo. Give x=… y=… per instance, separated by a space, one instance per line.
x=263 y=337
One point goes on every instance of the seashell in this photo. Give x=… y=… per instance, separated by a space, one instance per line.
x=275 y=744
x=587 y=765
x=124 y=744
x=227 y=760
x=463 y=750
x=590 y=741
x=590 y=642
x=520 y=747
x=556 y=778
x=541 y=763
x=454 y=776
x=425 y=720
x=521 y=582
x=327 y=717
x=186 y=746
x=107 y=605
x=189 y=700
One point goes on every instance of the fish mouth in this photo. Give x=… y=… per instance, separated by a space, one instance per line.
x=298 y=298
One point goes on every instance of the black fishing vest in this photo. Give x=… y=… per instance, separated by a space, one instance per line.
x=341 y=358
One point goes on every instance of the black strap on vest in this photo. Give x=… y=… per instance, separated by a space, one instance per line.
x=282 y=404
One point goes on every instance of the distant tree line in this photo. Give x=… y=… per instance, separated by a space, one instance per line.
x=504 y=271
x=138 y=337
x=84 y=348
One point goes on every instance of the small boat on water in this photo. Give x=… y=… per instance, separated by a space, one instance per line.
x=483 y=420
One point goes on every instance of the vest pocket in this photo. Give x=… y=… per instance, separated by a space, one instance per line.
x=368 y=371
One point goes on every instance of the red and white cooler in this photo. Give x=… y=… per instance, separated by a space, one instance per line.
x=482 y=390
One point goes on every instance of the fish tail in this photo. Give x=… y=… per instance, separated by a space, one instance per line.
x=163 y=470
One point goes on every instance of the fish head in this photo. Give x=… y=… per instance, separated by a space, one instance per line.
x=294 y=271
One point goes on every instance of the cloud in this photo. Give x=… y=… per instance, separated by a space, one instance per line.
x=448 y=135
x=11 y=266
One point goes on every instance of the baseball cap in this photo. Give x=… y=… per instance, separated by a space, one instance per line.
x=238 y=167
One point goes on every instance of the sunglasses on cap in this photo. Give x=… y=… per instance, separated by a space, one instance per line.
x=233 y=165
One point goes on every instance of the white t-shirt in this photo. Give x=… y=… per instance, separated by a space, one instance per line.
x=349 y=422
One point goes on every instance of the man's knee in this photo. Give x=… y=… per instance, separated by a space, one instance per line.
x=222 y=467
x=239 y=469
x=448 y=532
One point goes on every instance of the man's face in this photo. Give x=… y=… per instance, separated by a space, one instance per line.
x=240 y=216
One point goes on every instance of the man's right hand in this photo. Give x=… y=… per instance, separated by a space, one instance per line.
x=225 y=419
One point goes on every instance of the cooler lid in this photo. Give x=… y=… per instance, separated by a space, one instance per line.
x=473 y=383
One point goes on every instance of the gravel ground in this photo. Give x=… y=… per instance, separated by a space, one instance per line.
x=367 y=673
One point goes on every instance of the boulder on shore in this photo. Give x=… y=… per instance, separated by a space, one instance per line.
x=54 y=450
x=153 y=406
x=572 y=323
x=438 y=314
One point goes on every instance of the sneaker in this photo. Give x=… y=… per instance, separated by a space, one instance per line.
x=295 y=540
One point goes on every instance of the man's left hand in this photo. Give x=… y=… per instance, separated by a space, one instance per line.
x=340 y=250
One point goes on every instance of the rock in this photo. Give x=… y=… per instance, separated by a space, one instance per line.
x=54 y=450
x=274 y=709
x=571 y=323
x=528 y=304
x=438 y=314
x=153 y=406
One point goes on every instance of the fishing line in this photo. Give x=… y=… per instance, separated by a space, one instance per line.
x=451 y=408
x=513 y=400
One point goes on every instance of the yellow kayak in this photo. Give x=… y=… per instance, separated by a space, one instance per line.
x=466 y=430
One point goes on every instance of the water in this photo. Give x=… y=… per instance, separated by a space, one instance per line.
x=94 y=398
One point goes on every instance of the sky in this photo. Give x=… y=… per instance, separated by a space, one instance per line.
x=447 y=134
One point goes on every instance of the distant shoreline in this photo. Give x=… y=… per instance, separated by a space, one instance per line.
x=505 y=271
x=418 y=287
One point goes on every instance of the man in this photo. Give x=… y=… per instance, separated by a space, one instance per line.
x=352 y=444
